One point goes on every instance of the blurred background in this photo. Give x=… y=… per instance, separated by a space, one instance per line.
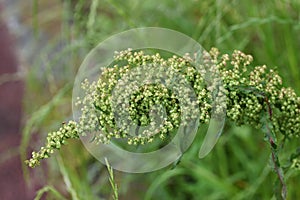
x=42 y=44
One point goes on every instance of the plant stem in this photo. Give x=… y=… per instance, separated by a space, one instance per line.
x=275 y=159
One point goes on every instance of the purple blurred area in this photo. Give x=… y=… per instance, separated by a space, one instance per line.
x=12 y=184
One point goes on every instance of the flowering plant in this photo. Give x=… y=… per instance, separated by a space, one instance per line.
x=254 y=96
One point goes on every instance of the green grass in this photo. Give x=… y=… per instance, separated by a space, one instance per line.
x=238 y=167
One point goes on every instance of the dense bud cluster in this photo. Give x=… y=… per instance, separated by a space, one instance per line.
x=177 y=93
x=54 y=141
x=250 y=89
x=145 y=90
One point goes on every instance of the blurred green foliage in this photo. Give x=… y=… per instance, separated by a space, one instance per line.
x=237 y=168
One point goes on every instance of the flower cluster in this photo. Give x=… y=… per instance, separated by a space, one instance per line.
x=251 y=88
x=145 y=90
x=54 y=141
x=140 y=90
